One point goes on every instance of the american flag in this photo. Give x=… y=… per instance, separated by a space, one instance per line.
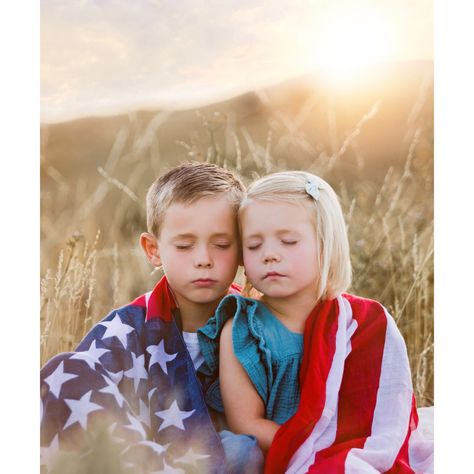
x=357 y=412
x=128 y=399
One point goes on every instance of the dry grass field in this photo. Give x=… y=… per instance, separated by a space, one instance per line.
x=375 y=148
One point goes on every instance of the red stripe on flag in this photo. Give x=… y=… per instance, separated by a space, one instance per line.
x=356 y=403
x=320 y=346
x=234 y=289
x=140 y=301
x=161 y=302
x=402 y=461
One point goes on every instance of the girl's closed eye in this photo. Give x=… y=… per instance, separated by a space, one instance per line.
x=253 y=246
x=289 y=242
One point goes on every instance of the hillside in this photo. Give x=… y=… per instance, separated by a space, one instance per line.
x=403 y=91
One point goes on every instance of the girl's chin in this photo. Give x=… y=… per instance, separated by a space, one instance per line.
x=276 y=294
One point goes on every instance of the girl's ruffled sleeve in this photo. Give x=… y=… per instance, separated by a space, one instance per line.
x=249 y=348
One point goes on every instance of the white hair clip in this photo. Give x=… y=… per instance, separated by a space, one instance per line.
x=313 y=188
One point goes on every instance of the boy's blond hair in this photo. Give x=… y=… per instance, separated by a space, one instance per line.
x=322 y=203
x=187 y=183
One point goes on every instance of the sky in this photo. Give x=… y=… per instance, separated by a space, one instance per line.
x=107 y=56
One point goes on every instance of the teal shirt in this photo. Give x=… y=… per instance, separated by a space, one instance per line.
x=269 y=352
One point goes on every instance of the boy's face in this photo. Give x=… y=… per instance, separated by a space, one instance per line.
x=199 y=250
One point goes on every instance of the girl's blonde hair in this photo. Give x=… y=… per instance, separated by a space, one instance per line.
x=324 y=209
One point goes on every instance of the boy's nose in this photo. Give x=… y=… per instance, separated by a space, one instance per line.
x=203 y=259
x=202 y=263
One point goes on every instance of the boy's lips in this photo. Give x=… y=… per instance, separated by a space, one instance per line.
x=204 y=282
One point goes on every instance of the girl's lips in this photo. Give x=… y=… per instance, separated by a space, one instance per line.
x=204 y=282
x=272 y=275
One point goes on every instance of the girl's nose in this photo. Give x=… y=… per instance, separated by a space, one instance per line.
x=271 y=257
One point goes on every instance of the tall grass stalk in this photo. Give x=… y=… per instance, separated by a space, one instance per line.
x=390 y=222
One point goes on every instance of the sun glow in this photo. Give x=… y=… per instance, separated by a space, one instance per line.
x=350 y=40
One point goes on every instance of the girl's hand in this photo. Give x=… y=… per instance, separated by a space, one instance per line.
x=244 y=409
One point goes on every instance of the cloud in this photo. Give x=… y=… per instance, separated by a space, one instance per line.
x=96 y=56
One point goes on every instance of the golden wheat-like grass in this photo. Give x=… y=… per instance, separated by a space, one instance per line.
x=91 y=261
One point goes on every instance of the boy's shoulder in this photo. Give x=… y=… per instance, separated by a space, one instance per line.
x=158 y=303
x=132 y=312
x=154 y=304
x=135 y=310
x=143 y=319
x=117 y=328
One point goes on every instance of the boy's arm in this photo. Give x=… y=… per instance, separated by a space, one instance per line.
x=244 y=409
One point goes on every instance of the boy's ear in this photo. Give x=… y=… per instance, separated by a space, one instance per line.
x=149 y=244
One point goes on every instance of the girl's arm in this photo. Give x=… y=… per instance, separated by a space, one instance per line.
x=244 y=409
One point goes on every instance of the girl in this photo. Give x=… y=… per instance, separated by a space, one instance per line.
x=320 y=377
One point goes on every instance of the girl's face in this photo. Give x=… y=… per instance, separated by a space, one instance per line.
x=279 y=248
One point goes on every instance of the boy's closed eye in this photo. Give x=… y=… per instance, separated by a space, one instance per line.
x=183 y=247
x=222 y=241
x=222 y=245
x=183 y=244
x=183 y=241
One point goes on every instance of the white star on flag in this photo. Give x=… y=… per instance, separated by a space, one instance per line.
x=160 y=356
x=112 y=389
x=173 y=416
x=57 y=378
x=80 y=410
x=137 y=372
x=126 y=464
x=158 y=448
x=144 y=413
x=92 y=355
x=135 y=425
x=110 y=431
x=48 y=454
x=151 y=392
x=190 y=457
x=116 y=376
x=169 y=469
x=116 y=328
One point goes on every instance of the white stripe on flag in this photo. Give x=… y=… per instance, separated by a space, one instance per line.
x=324 y=432
x=420 y=445
x=147 y=299
x=392 y=409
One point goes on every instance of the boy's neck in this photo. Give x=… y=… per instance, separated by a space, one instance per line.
x=195 y=315
x=292 y=311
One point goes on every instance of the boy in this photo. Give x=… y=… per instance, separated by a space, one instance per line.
x=130 y=391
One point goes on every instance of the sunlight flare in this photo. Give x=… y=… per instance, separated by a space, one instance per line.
x=351 y=40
